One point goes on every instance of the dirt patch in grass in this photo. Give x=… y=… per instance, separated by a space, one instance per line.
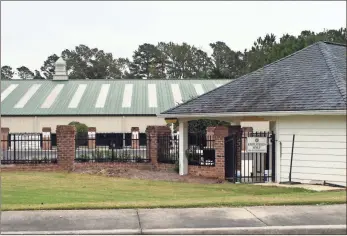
x=149 y=175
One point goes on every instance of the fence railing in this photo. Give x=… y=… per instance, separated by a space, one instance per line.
x=168 y=149
x=256 y=167
x=28 y=148
x=108 y=148
x=201 y=150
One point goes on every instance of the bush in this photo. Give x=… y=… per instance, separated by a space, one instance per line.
x=81 y=133
x=80 y=127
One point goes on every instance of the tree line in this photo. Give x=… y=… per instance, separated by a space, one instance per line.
x=176 y=61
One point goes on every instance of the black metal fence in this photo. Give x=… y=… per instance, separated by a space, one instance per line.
x=119 y=140
x=201 y=150
x=54 y=139
x=168 y=149
x=27 y=148
x=247 y=164
x=258 y=166
x=111 y=147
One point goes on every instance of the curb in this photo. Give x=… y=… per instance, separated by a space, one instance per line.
x=77 y=232
x=278 y=230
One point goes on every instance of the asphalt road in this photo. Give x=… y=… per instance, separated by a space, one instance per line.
x=250 y=220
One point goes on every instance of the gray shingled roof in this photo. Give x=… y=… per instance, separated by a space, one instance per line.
x=313 y=78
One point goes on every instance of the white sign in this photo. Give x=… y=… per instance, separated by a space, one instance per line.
x=257 y=144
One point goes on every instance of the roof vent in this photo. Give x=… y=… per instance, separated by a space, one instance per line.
x=60 y=70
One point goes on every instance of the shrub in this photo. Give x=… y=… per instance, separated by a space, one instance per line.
x=81 y=133
x=80 y=127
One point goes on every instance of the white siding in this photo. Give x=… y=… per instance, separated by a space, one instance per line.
x=258 y=126
x=103 y=124
x=319 y=148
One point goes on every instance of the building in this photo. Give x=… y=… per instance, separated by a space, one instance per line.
x=109 y=105
x=303 y=94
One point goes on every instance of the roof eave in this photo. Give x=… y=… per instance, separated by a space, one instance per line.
x=245 y=114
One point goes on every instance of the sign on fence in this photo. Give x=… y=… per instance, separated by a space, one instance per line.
x=257 y=144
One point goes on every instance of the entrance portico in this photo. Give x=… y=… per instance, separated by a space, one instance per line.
x=220 y=132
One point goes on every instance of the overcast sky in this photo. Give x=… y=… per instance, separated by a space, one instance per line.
x=31 y=31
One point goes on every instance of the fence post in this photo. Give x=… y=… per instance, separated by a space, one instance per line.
x=135 y=137
x=4 y=138
x=66 y=146
x=46 y=138
x=91 y=137
x=153 y=132
x=220 y=132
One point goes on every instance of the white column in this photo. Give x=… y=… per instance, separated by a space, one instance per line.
x=274 y=127
x=183 y=146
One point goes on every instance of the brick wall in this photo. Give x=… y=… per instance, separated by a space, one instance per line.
x=217 y=171
x=66 y=153
x=123 y=166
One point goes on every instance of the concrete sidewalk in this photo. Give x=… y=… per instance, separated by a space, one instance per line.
x=329 y=219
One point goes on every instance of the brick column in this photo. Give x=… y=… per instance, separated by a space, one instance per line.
x=46 y=138
x=135 y=137
x=66 y=146
x=153 y=143
x=91 y=137
x=4 y=138
x=237 y=131
x=210 y=137
x=220 y=133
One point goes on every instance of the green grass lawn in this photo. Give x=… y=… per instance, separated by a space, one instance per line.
x=35 y=190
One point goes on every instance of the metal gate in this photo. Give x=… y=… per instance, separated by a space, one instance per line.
x=250 y=157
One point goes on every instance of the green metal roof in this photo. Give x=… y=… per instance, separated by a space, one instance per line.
x=98 y=97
